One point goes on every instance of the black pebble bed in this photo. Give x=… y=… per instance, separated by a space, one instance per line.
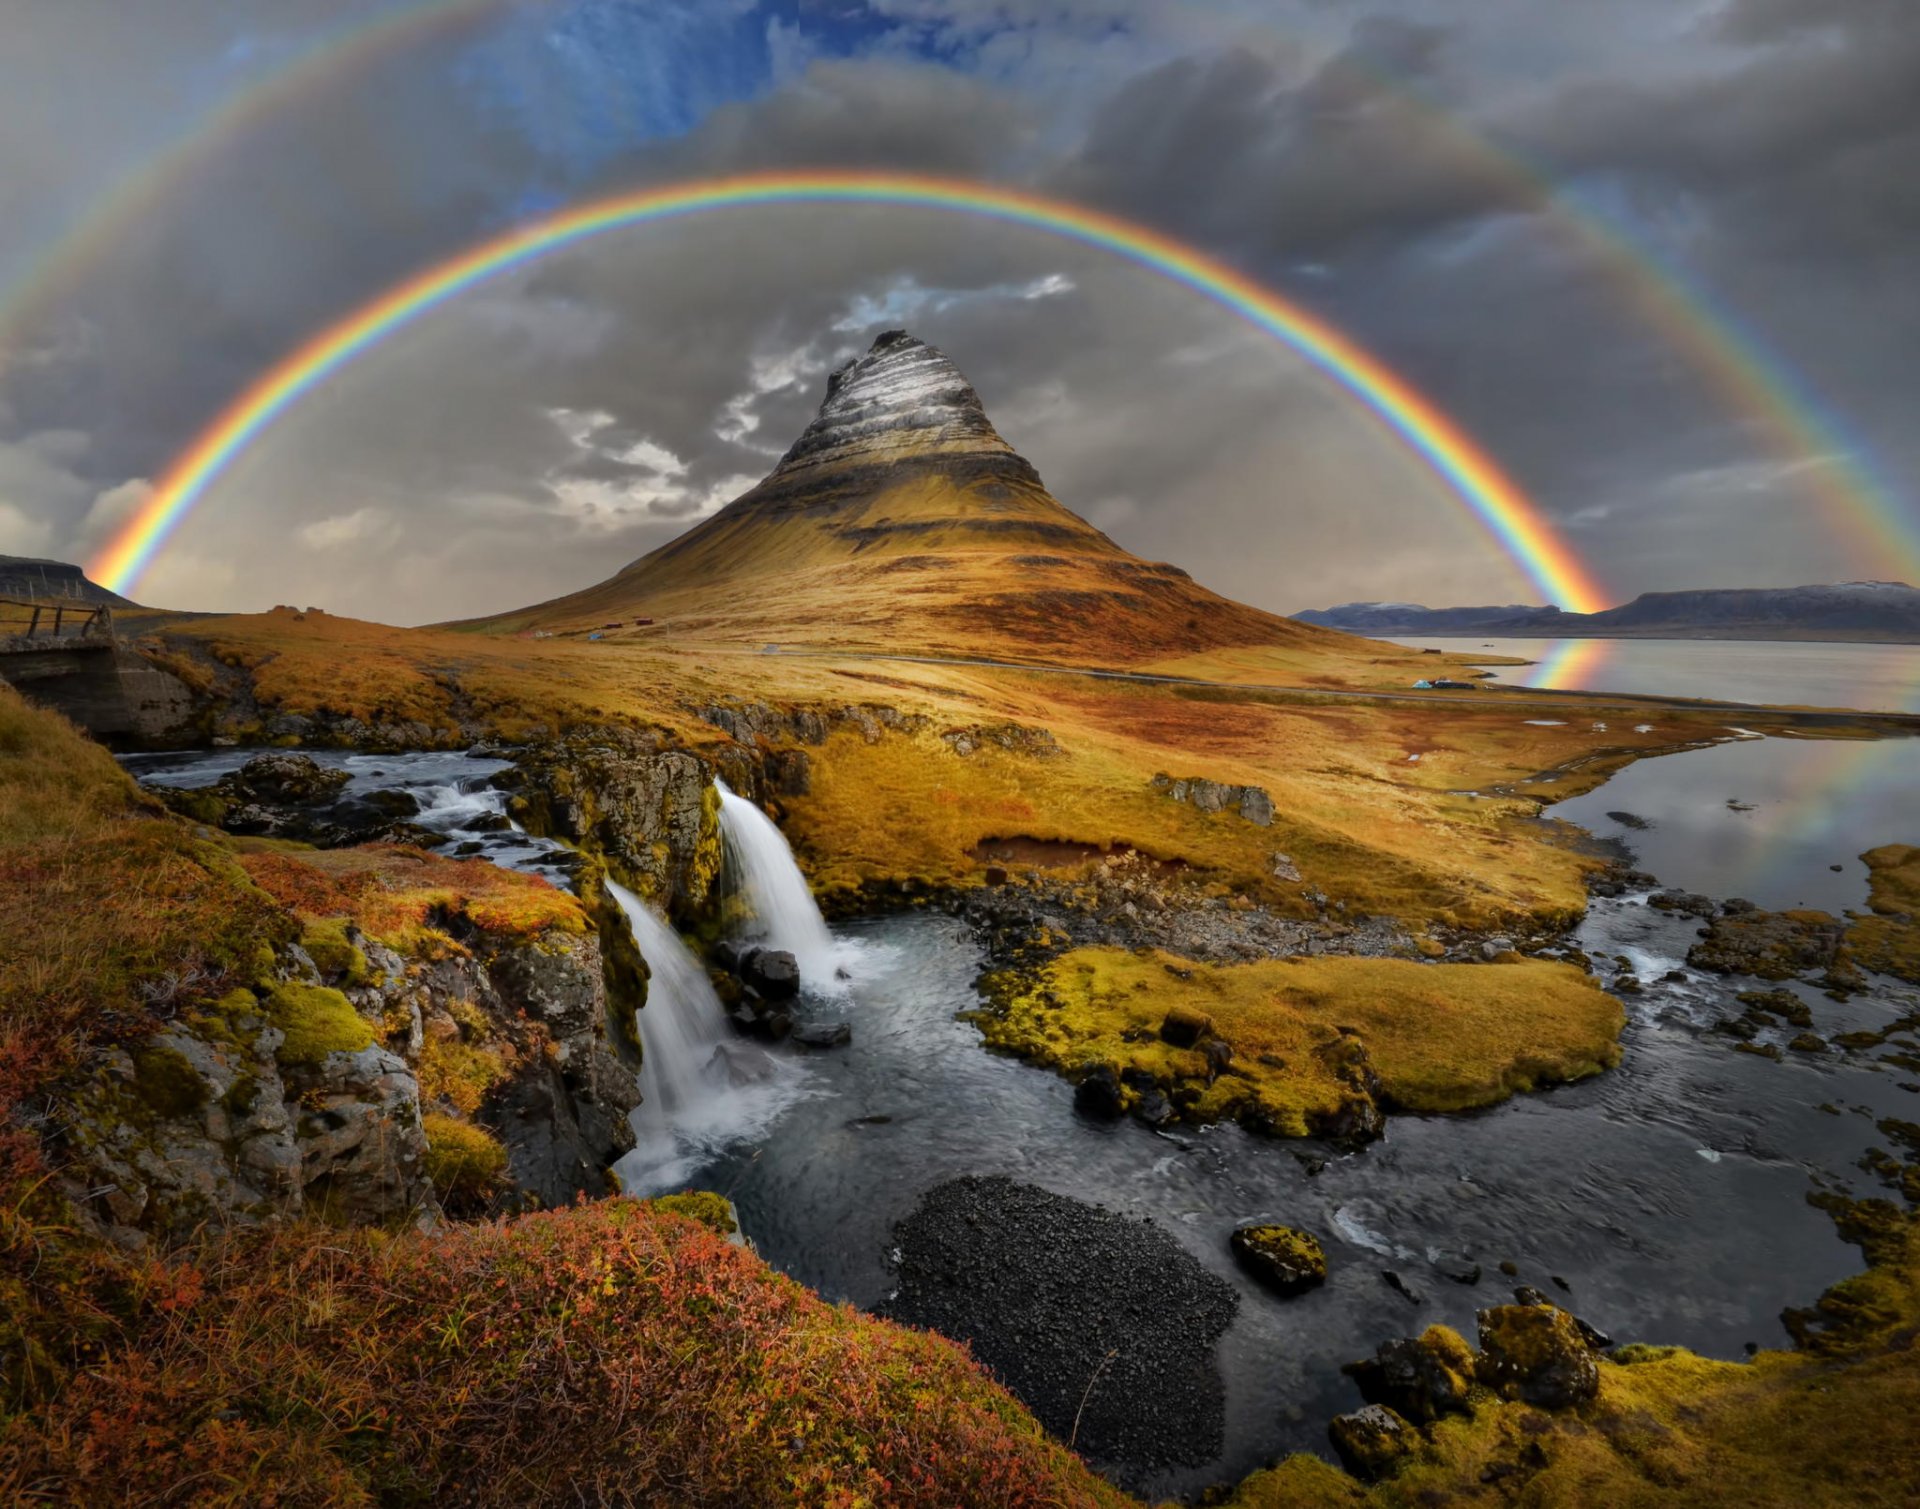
x=1083 y=1313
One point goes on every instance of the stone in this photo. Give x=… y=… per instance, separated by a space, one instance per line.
x=822 y=1034
x=1285 y=1260
x=1372 y=1442
x=1098 y=1094
x=1536 y=1353
x=1419 y=1378
x=1183 y=1027
x=775 y=973
x=395 y=803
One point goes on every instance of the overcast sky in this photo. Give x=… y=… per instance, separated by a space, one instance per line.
x=537 y=433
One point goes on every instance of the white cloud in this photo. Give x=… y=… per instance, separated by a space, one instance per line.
x=110 y=510
x=362 y=526
x=19 y=534
x=783 y=373
x=906 y=300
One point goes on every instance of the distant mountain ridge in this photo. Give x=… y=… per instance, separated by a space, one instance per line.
x=26 y=576
x=1862 y=612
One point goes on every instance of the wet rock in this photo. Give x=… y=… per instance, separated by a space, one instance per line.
x=394 y=803
x=297 y=779
x=1101 y=1323
x=1285 y=1260
x=1687 y=903
x=651 y=811
x=1399 y=1286
x=1099 y=1094
x=773 y=972
x=1770 y=945
x=1420 y=1378
x=1372 y=1442
x=1154 y=1109
x=1536 y=1353
x=822 y=1034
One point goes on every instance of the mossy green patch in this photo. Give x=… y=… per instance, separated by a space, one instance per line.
x=464 y=1161
x=169 y=1085
x=1889 y=939
x=329 y=943
x=1440 y=1037
x=715 y=1212
x=317 y=1021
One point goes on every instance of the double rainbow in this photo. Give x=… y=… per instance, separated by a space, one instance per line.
x=1508 y=514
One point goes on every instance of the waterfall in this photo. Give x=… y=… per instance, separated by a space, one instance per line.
x=683 y=1022
x=785 y=913
x=701 y=1088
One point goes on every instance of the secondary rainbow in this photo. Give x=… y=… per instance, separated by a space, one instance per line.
x=1508 y=514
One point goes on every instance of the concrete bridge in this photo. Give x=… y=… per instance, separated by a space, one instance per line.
x=64 y=654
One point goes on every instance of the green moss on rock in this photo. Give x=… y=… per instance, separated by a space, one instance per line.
x=169 y=1085
x=715 y=1212
x=1284 y=1259
x=464 y=1161
x=328 y=943
x=317 y=1021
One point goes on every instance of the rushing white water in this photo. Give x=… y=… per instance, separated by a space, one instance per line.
x=701 y=1087
x=785 y=914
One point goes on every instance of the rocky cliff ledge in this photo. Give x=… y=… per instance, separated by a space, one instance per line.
x=465 y=1063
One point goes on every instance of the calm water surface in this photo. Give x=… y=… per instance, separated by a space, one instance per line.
x=1870 y=677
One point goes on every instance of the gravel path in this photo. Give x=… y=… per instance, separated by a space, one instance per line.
x=1084 y=1313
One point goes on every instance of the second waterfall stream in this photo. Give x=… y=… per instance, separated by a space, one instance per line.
x=786 y=916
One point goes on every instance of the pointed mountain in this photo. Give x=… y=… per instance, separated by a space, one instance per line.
x=901 y=519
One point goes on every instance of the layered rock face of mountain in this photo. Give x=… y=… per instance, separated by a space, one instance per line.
x=1885 y=612
x=24 y=576
x=901 y=519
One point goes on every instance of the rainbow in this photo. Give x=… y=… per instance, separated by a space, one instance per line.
x=1854 y=495
x=336 y=56
x=1513 y=520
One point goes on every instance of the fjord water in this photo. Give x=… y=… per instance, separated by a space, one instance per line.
x=1882 y=678
x=1782 y=822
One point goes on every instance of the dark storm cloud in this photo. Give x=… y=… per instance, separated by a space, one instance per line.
x=555 y=424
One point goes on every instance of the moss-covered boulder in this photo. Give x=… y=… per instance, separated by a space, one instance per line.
x=1373 y=1442
x=1421 y=1378
x=1536 y=1353
x=1183 y=1026
x=1285 y=1260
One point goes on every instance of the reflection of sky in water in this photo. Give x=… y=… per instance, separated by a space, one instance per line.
x=1815 y=803
x=1874 y=677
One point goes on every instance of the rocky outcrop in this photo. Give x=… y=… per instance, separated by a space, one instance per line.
x=319 y=1089
x=288 y=795
x=1772 y=945
x=648 y=811
x=1251 y=802
x=761 y=724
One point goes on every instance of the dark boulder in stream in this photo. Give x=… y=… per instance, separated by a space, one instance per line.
x=1100 y=1322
